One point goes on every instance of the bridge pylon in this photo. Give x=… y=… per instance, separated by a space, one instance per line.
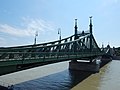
x=90 y=47
x=76 y=27
x=75 y=37
x=90 y=28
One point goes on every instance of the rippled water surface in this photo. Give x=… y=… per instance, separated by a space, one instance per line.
x=63 y=79
x=107 y=79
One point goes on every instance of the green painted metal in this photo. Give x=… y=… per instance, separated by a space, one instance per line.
x=46 y=56
x=77 y=46
x=7 y=69
x=50 y=50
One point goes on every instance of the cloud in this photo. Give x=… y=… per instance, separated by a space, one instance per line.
x=28 y=28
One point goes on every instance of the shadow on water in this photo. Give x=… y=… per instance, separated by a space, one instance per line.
x=78 y=76
x=3 y=88
x=64 y=80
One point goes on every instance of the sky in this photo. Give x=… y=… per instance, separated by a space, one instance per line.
x=20 y=19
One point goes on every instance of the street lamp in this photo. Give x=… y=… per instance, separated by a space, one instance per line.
x=35 y=40
x=59 y=33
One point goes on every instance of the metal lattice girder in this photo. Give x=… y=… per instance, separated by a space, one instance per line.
x=54 y=49
x=22 y=48
x=52 y=55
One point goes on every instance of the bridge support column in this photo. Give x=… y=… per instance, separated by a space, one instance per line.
x=106 y=58
x=85 y=66
x=91 y=60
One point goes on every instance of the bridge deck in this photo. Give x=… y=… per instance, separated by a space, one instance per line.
x=44 y=57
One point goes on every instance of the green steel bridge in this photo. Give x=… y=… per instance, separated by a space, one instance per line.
x=80 y=46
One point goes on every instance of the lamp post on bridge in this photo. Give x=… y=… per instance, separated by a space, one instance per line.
x=35 y=40
x=59 y=33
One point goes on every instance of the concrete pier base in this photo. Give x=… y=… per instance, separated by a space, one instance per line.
x=84 y=66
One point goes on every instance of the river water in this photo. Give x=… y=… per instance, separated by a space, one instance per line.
x=58 y=77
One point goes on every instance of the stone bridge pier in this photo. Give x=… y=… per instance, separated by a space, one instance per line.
x=89 y=66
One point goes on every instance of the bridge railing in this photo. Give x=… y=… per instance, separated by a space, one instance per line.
x=44 y=56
